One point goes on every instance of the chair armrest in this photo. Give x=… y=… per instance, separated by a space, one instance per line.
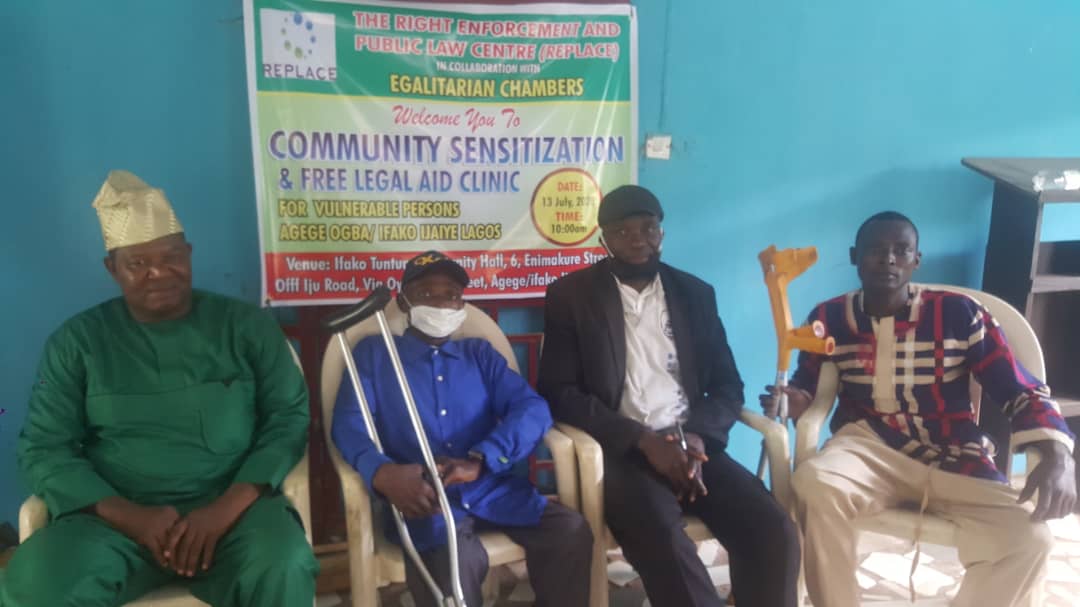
x=33 y=515
x=590 y=461
x=566 y=470
x=361 y=528
x=808 y=427
x=357 y=500
x=296 y=487
x=776 y=445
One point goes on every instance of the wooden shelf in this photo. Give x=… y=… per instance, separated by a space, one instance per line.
x=1017 y=172
x=1040 y=279
x=1052 y=283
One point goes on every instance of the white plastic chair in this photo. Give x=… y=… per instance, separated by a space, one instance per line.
x=901 y=523
x=590 y=457
x=375 y=562
x=34 y=515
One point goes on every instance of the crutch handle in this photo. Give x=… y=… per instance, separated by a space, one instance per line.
x=781 y=267
x=361 y=311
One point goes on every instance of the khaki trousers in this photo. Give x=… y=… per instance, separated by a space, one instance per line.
x=857 y=474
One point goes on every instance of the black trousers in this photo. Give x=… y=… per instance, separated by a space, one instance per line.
x=558 y=551
x=645 y=517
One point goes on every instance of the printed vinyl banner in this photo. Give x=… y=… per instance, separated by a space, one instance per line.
x=381 y=130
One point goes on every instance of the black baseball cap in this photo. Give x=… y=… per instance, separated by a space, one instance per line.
x=627 y=200
x=434 y=261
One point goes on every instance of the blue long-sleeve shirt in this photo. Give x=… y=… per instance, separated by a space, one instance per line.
x=469 y=400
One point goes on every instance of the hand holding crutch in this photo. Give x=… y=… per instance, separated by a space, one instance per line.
x=780 y=268
x=338 y=325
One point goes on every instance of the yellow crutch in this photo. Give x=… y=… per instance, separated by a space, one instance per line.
x=780 y=268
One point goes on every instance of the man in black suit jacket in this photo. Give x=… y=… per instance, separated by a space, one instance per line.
x=635 y=355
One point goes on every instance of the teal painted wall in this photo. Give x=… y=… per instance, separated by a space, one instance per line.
x=792 y=121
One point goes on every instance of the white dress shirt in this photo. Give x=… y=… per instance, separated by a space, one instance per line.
x=653 y=392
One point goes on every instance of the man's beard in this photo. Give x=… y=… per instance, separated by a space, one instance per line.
x=636 y=271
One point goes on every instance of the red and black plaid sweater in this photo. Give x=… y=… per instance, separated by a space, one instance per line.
x=906 y=378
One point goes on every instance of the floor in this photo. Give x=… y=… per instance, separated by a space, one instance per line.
x=883 y=575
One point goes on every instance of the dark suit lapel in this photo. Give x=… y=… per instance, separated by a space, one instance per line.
x=607 y=293
x=679 y=313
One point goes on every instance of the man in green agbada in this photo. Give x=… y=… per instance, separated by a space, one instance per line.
x=159 y=430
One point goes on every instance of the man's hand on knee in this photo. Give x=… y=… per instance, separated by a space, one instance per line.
x=1055 y=479
x=147 y=526
x=453 y=471
x=407 y=488
x=193 y=538
x=669 y=460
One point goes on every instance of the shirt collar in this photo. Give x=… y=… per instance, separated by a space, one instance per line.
x=651 y=288
x=411 y=347
x=903 y=312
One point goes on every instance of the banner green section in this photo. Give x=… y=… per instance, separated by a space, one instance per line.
x=387 y=130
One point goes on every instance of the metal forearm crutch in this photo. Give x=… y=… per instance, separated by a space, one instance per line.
x=338 y=325
x=780 y=268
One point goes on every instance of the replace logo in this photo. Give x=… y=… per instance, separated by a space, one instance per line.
x=298 y=45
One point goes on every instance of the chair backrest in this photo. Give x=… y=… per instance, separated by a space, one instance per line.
x=477 y=324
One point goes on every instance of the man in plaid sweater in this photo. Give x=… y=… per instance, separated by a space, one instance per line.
x=905 y=430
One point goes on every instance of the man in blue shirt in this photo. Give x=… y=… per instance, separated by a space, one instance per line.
x=481 y=418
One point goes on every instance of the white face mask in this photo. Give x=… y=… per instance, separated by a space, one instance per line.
x=435 y=322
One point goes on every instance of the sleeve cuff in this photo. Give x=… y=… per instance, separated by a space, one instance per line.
x=266 y=468
x=494 y=458
x=1025 y=437
x=74 y=491
x=367 y=465
x=714 y=425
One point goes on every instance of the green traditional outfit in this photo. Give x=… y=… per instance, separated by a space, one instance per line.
x=163 y=413
x=167 y=413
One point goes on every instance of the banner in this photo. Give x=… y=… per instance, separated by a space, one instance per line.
x=381 y=130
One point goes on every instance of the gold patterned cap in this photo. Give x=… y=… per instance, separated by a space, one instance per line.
x=131 y=212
